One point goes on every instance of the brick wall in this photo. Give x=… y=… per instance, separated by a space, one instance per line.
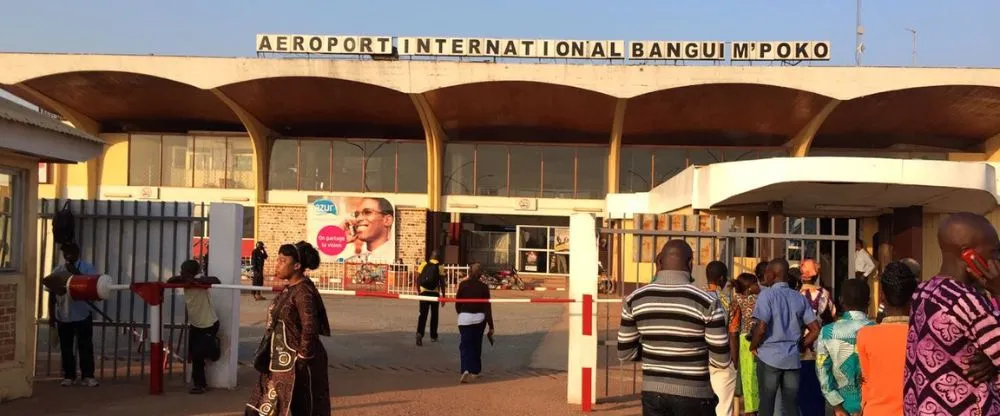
x=8 y=321
x=281 y=224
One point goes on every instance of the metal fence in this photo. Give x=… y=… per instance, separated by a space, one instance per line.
x=737 y=242
x=130 y=241
x=377 y=277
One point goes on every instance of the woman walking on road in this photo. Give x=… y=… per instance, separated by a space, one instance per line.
x=294 y=377
x=473 y=318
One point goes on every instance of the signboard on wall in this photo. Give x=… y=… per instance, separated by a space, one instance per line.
x=351 y=228
x=546 y=48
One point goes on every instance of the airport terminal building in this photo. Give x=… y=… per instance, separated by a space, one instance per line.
x=487 y=155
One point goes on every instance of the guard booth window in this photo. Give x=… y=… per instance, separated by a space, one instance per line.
x=543 y=250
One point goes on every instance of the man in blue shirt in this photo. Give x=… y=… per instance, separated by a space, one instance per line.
x=73 y=320
x=779 y=316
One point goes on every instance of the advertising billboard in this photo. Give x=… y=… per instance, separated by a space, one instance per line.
x=352 y=228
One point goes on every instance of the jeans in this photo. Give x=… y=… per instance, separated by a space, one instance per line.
x=769 y=379
x=201 y=343
x=83 y=332
x=811 y=400
x=660 y=404
x=470 y=347
x=426 y=306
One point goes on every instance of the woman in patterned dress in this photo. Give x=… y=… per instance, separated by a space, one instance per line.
x=296 y=384
x=740 y=312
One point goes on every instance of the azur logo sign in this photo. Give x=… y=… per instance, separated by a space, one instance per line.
x=324 y=206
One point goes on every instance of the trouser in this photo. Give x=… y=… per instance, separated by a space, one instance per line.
x=83 y=333
x=201 y=343
x=724 y=385
x=811 y=400
x=661 y=404
x=258 y=280
x=426 y=306
x=470 y=347
x=769 y=381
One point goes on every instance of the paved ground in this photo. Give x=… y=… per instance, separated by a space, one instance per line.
x=376 y=369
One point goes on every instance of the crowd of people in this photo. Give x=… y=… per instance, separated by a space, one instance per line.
x=776 y=342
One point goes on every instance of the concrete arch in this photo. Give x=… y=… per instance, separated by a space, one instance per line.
x=953 y=116
x=306 y=106
x=523 y=111
x=129 y=101
x=720 y=114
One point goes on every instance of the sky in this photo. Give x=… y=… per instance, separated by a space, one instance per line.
x=960 y=33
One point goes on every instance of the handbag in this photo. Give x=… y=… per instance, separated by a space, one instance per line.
x=262 y=356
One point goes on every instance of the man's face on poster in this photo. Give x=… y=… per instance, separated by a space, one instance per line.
x=372 y=224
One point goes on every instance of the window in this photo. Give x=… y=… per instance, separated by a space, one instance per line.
x=558 y=167
x=638 y=162
x=543 y=249
x=591 y=172
x=44 y=172
x=411 y=167
x=636 y=168
x=491 y=170
x=525 y=171
x=668 y=162
x=11 y=188
x=144 y=160
x=283 y=167
x=459 y=169
x=348 y=165
x=314 y=160
x=248 y=222
x=189 y=161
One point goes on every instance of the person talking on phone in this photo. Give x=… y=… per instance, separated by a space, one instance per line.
x=953 y=347
x=473 y=318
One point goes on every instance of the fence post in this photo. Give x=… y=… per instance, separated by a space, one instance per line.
x=582 y=283
x=226 y=230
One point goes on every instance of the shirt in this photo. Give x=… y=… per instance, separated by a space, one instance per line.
x=199 y=308
x=863 y=262
x=741 y=313
x=786 y=312
x=820 y=302
x=837 y=363
x=882 y=354
x=949 y=322
x=677 y=330
x=67 y=309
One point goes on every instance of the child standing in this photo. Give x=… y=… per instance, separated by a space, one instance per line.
x=837 y=363
x=203 y=324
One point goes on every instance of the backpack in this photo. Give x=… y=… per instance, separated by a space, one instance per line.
x=430 y=276
x=64 y=225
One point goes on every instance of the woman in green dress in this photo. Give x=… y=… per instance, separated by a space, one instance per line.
x=744 y=300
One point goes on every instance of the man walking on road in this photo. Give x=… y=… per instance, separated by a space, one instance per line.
x=430 y=282
x=678 y=331
x=257 y=259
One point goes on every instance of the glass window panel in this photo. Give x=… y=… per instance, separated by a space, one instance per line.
x=769 y=153
x=459 y=169
x=411 y=175
x=591 y=172
x=534 y=237
x=668 y=162
x=314 y=160
x=929 y=156
x=178 y=152
x=557 y=172
x=209 y=162
x=702 y=157
x=10 y=214
x=239 y=163
x=348 y=161
x=534 y=261
x=248 y=222
x=283 y=167
x=525 y=171
x=380 y=166
x=635 y=170
x=734 y=155
x=144 y=160
x=491 y=169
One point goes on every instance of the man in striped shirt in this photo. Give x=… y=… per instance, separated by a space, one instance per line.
x=677 y=330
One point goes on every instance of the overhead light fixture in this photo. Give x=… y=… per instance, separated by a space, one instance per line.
x=853 y=208
x=588 y=210
x=463 y=205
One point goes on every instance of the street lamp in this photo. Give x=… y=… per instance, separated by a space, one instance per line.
x=913 y=33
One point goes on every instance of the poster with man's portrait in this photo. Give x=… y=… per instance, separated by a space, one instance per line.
x=352 y=228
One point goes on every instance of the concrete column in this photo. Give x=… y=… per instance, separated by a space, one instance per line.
x=225 y=223
x=582 y=281
x=800 y=143
x=908 y=233
x=615 y=145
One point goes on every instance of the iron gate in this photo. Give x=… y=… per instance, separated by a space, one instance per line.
x=735 y=241
x=131 y=241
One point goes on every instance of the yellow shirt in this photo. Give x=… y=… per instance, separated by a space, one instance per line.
x=199 y=308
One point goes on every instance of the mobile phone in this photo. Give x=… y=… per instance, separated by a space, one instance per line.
x=976 y=264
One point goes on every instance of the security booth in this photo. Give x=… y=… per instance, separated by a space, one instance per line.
x=29 y=141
